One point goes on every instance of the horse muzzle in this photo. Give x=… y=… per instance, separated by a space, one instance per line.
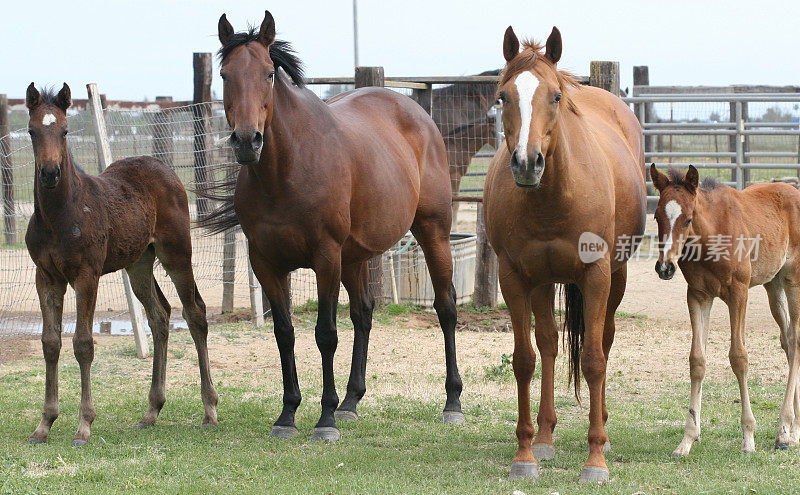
x=49 y=177
x=527 y=172
x=247 y=146
x=665 y=270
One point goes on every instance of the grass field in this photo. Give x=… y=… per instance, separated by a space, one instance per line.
x=398 y=445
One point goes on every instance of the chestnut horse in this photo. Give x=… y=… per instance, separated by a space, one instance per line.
x=726 y=241
x=85 y=226
x=328 y=186
x=562 y=196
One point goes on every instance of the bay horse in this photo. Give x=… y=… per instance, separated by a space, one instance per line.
x=328 y=186
x=562 y=197
x=461 y=113
x=85 y=226
x=726 y=241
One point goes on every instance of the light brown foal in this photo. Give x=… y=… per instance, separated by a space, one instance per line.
x=561 y=196
x=726 y=241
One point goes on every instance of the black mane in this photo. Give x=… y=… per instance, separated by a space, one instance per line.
x=710 y=183
x=281 y=53
x=707 y=184
x=47 y=95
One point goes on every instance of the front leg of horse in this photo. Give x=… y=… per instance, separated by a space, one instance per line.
x=737 y=306
x=83 y=345
x=546 y=331
x=516 y=295
x=699 y=310
x=51 y=301
x=595 y=288
x=328 y=270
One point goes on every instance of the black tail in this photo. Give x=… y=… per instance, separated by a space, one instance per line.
x=574 y=330
x=223 y=217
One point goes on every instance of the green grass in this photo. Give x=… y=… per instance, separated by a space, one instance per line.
x=398 y=445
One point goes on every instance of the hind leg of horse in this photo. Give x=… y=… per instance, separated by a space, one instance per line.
x=788 y=427
x=176 y=257
x=595 y=287
x=328 y=269
x=699 y=313
x=737 y=306
x=517 y=296
x=434 y=237
x=779 y=306
x=158 y=310
x=619 y=280
x=276 y=286
x=51 y=300
x=355 y=279
x=83 y=345
x=542 y=301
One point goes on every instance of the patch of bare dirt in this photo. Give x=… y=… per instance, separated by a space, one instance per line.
x=18 y=348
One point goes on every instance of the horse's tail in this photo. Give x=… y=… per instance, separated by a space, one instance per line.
x=223 y=216
x=574 y=330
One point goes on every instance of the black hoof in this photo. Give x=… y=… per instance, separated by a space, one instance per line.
x=142 y=426
x=36 y=441
x=523 y=470
x=343 y=415
x=591 y=474
x=453 y=417
x=781 y=445
x=279 y=431
x=326 y=433
x=79 y=443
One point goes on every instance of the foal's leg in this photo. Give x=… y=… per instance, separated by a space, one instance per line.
x=543 y=300
x=516 y=294
x=780 y=311
x=158 y=310
x=737 y=306
x=276 y=287
x=175 y=255
x=595 y=288
x=355 y=278
x=51 y=300
x=788 y=419
x=328 y=269
x=83 y=345
x=699 y=314
x=433 y=236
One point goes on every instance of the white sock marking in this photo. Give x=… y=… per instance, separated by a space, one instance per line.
x=49 y=119
x=526 y=84
x=673 y=211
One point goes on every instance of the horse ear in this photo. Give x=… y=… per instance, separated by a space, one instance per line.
x=691 y=179
x=553 y=46
x=510 y=44
x=32 y=97
x=64 y=98
x=224 y=29
x=659 y=180
x=266 y=35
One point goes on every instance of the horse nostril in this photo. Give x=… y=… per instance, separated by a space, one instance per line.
x=258 y=141
x=234 y=138
x=539 y=160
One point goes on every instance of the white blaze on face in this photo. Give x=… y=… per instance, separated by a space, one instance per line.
x=526 y=84
x=673 y=211
x=49 y=119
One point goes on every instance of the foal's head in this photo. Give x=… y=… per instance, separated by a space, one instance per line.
x=48 y=130
x=532 y=91
x=673 y=215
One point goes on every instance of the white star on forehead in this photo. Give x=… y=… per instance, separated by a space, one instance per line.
x=48 y=119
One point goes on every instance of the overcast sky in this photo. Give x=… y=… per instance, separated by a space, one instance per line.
x=142 y=49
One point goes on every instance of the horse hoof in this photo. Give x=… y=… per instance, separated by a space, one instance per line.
x=781 y=445
x=543 y=452
x=326 y=433
x=142 y=426
x=79 y=443
x=344 y=415
x=209 y=426
x=591 y=474
x=35 y=441
x=287 y=432
x=453 y=417
x=523 y=470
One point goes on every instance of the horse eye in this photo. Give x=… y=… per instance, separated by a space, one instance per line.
x=30 y=132
x=688 y=222
x=502 y=97
x=271 y=75
x=65 y=132
x=222 y=76
x=557 y=98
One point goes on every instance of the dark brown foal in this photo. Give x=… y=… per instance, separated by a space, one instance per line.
x=84 y=227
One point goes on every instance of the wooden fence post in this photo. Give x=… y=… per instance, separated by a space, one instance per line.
x=256 y=295
x=202 y=126
x=643 y=111
x=424 y=97
x=485 y=266
x=104 y=160
x=7 y=176
x=604 y=75
x=163 y=145
x=372 y=76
